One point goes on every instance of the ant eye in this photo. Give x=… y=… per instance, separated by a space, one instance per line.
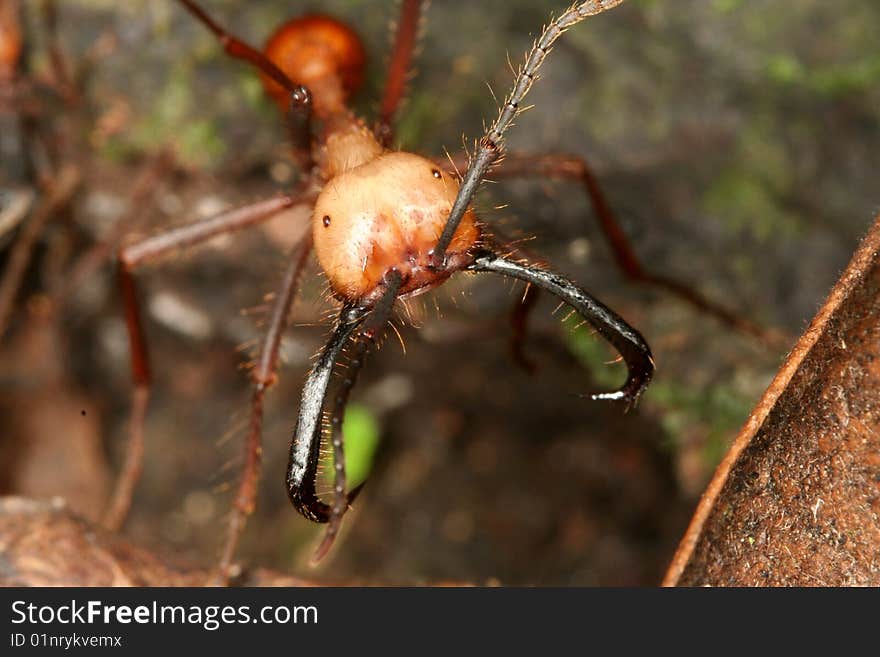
x=326 y=220
x=436 y=173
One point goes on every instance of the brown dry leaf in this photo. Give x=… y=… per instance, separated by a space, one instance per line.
x=796 y=501
x=45 y=544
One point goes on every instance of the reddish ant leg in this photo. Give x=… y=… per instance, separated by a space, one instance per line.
x=399 y=66
x=238 y=49
x=129 y=258
x=299 y=105
x=518 y=320
x=525 y=304
x=574 y=167
x=263 y=376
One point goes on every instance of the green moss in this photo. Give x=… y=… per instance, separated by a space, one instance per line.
x=200 y=142
x=829 y=80
x=715 y=411
x=726 y=6
x=592 y=353
x=172 y=120
x=844 y=79
x=746 y=194
x=411 y=126
x=744 y=202
x=361 y=431
x=784 y=68
x=362 y=439
x=249 y=90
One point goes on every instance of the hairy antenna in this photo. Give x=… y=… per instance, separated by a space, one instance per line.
x=491 y=144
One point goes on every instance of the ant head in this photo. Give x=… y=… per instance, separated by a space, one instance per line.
x=387 y=215
x=320 y=53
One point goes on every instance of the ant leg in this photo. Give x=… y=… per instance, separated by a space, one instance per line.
x=628 y=342
x=522 y=308
x=238 y=49
x=573 y=167
x=263 y=376
x=129 y=258
x=60 y=192
x=399 y=65
x=299 y=113
x=306 y=442
x=519 y=318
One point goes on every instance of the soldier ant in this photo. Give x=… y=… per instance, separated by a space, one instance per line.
x=385 y=225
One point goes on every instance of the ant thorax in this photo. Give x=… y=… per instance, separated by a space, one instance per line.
x=386 y=213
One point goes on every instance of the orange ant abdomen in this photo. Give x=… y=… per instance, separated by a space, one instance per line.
x=321 y=53
x=383 y=215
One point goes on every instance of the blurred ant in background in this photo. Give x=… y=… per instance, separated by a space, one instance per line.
x=37 y=178
x=43 y=157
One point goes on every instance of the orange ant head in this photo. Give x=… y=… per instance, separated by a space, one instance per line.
x=321 y=53
x=10 y=38
x=388 y=214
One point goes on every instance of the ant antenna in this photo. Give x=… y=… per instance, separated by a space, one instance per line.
x=491 y=144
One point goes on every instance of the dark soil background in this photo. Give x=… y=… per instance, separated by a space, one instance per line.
x=739 y=143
